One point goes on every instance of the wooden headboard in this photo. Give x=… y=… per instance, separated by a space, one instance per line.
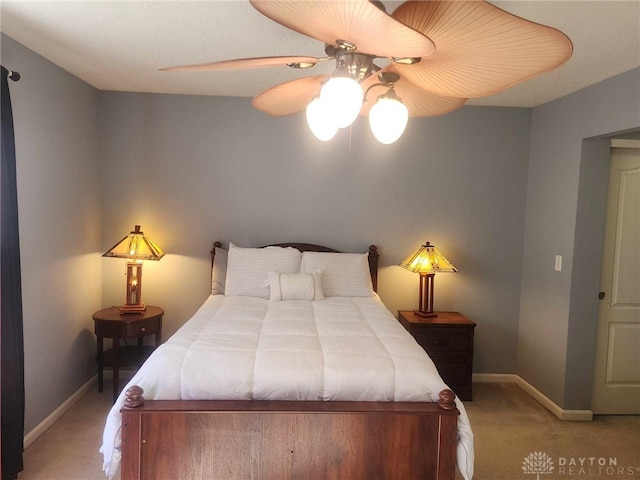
x=309 y=247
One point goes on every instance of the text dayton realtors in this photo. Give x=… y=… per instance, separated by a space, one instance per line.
x=593 y=466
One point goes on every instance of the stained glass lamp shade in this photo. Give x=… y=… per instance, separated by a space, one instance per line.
x=427 y=261
x=135 y=247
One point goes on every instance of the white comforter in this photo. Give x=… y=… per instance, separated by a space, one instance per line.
x=247 y=348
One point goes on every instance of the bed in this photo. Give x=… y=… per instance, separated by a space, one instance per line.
x=291 y=369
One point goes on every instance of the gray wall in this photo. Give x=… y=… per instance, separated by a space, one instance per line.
x=192 y=170
x=568 y=171
x=55 y=118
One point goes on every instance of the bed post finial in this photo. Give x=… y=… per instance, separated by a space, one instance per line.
x=133 y=396
x=373 y=265
x=447 y=400
x=213 y=252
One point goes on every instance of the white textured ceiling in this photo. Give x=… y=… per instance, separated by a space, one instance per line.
x=117 y=45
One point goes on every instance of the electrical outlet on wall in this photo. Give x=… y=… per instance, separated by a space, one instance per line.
x=558 y=265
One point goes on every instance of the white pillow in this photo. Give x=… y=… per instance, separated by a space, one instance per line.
x=295 y=286
x=219 y=271
x=343 y=274
x=248 y=268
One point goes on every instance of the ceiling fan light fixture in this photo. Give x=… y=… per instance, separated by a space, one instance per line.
x=320 y=121
x=342 y=96
x=481 y=50
x=388 y=118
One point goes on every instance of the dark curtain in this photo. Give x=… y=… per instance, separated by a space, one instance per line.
x=12 y=347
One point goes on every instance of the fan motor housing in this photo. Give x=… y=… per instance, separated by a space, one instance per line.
x=358 y=65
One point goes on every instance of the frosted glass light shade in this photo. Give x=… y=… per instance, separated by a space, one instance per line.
x=388 y=119
x=343 y=96
x=320 y=121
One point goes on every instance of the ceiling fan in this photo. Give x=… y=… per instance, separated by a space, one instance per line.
x=438 y=54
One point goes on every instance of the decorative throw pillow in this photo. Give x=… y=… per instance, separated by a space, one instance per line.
x=295 y=286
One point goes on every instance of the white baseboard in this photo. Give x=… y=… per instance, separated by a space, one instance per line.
x=495 y=378
x=541 y=398
x=58 y=412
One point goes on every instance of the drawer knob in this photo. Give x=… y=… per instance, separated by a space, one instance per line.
x=143 y=329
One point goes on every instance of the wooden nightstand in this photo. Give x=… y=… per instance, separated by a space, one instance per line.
x=109 y=323
x=448 y=339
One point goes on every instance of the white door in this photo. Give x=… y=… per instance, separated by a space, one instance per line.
x=617 y=371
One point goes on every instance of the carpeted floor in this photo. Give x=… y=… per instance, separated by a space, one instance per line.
x=508 y=424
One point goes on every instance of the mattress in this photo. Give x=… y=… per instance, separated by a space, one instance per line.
x=248 y=348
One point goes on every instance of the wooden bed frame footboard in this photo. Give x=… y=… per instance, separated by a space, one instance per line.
x=288 y=440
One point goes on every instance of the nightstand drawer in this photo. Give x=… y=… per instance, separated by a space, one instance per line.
x=445 y=340
x=453 y=372
x=138 y=329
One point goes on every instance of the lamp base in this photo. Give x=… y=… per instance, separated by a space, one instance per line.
x=139 y=308
x=423 y=314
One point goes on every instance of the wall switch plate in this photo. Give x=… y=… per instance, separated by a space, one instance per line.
x=558 y=266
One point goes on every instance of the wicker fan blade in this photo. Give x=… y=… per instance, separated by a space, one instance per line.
x=289 y=97
x=245 y=63
x=357 y=21
x=419 y=102
x=481 y=49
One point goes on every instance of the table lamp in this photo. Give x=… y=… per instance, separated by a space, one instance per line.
x=427 y=261
x=135 y=247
